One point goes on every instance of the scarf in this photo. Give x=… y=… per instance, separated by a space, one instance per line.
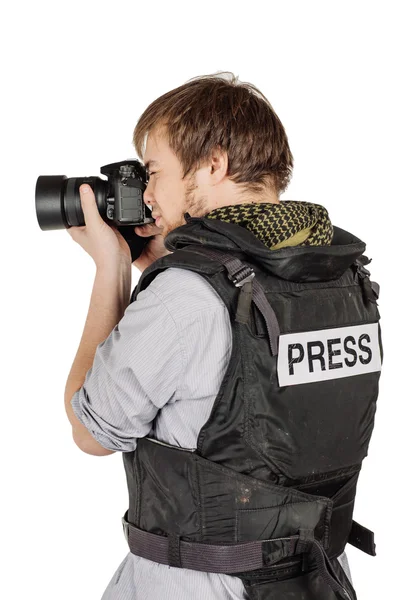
x=288 y=223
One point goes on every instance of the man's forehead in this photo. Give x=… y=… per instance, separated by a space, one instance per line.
x=151 y=148
x=155 y=146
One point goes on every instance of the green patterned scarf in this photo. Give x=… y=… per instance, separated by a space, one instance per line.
x=288 y=223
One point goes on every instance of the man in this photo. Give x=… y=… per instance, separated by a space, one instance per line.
x=153 y=368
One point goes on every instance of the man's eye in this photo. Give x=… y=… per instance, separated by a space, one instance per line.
x=152 y=173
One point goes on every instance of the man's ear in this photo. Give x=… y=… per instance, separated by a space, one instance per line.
x=219 y=165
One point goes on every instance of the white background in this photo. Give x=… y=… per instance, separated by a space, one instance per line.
x=75 y=78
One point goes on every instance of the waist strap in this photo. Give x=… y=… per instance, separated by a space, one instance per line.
x=231 y=558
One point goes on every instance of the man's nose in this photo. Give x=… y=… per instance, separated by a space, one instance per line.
x=148 y=195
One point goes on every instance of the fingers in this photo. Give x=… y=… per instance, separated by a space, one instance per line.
x=148 y=230
x=89 y=206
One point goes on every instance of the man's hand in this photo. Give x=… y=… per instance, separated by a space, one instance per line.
x=103 y=243
x=154 y=249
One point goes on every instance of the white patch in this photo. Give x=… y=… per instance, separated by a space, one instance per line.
x=328 y=354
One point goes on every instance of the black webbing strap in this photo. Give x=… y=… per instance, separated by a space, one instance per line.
x=174 y=551
x=270 y=319
x=362 y=538
x=243 y=276
x=232 y=558
x=211 y=558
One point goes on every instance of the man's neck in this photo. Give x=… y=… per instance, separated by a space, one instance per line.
x=262 y=199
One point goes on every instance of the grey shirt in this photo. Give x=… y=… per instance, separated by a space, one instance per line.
x=158 y=373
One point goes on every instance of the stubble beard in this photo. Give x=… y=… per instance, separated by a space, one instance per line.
x=196 y=207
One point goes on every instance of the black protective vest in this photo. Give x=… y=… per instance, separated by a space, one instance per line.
x=268 y=493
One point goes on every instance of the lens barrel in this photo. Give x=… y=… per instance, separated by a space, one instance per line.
x=58 y=202
x=49 y=202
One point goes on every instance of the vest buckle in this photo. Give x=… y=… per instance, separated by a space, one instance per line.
x=370 y=289
x=244 y=275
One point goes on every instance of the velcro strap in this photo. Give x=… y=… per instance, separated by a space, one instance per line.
x=211 y=558
x=233 y=558
x=362 y=538
x=174 y=554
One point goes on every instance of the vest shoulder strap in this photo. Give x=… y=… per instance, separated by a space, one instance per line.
x=208 y=262
x=186 y=258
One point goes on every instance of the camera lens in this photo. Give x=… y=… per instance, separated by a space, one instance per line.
x=58 y=202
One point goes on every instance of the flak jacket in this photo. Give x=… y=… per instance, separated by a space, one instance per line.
x=268 y=493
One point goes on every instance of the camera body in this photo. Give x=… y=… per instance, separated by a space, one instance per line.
x=127 y=181
x=119 y=201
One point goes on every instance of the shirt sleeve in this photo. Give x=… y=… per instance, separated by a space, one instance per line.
x=135 y=372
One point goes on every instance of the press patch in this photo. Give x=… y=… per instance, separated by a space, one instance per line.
x=328 y=354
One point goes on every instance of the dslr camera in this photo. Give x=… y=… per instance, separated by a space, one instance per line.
x=119 y=200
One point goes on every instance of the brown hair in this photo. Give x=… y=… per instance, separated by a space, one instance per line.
x=213 y=111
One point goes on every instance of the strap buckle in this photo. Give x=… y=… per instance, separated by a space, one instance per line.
x=244 y=275
x=362 y=271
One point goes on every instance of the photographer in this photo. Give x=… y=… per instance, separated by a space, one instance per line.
x=184 y=377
